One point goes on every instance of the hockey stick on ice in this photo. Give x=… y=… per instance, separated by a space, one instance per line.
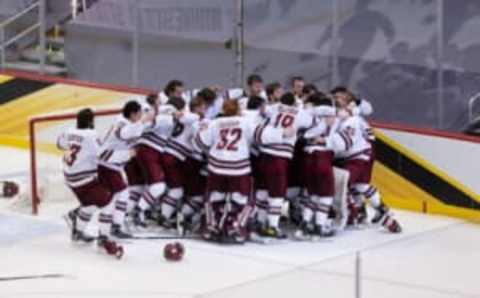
x=192 y=237
x=41 y=276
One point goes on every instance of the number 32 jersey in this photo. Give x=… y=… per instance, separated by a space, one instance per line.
x=80 y=159
x=227 y=141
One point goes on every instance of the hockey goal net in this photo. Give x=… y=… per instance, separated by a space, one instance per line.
x=46 y=183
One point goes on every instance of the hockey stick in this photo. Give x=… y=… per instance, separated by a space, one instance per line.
x=192 y=237
x=41 y=276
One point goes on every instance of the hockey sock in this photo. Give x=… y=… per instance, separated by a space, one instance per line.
x=105 y=219
x=323 y=205
x=170 y=202
x=192 y=205
x=373 y=195
x=151 y=196
x=84 y=216
x=135 y=193
x=120 y=200
x=262 y=205
x=307 y=211
x=274 y=211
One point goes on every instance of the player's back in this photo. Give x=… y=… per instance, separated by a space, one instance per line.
x=80 y=159
x=230 y=140
x=357 y=145
x=179 y=143
x=283 y=116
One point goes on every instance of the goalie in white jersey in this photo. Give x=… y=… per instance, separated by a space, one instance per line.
x=354 y=156
x=80 y=163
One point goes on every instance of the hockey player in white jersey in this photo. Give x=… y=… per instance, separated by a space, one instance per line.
x=174 y=88
x=254 y=88
x=297 y=83
x=115 y=152
x=274 y=92
x=178 y=152
x=194 y=172
x=361 y=108
x=346 y=99
x=80 y=163
x=318 y=168
x=150 y=150
x=228 y=141
x=354 y=156
x=275 y=158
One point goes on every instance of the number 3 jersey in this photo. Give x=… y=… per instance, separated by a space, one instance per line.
x=283 y=116
x=80 y=160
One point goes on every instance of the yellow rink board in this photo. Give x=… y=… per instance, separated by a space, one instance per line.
x=4 y=79
x=400 y=193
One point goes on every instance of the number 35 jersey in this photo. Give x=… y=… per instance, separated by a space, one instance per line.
x=283 y=116
x=80 y=159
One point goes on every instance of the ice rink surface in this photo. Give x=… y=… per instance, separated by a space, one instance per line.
x=434 y=257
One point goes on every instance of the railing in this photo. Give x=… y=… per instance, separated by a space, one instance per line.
x=40 y=26
x=471 y=105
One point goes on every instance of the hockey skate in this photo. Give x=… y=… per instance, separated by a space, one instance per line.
x=272 y=232
x=71 y=218
x=380 y=213
x=139 y=218
x=117 y=232
x=110 y=246
x=323 y=231
x=384 y=218
x=76 y=235
x=304 y=231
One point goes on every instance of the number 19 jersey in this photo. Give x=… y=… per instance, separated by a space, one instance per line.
x=283 y=116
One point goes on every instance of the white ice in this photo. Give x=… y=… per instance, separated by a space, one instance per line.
x=434 y=257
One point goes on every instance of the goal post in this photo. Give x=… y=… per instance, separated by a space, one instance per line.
x=43 y=133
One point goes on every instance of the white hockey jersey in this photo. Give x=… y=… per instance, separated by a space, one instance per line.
x=283 y=116
x=349 y=140
x=228 y=140
x=198 y=152
x=320 y=129
x=256 y=118
x=179 y=143
x=80 y=160
x=361 y=107
x=156 y=134
x=120 y=138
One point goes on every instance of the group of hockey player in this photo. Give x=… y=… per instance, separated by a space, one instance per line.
x=229 y=165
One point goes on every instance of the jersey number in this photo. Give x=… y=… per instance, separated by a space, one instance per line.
x=178 y=129
x=71 y=156
x=225 y=143
x=285 y=120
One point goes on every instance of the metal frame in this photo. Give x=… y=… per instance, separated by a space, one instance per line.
x=239 y=43
x=35 y=196
x=40 y=25
x=440 y=59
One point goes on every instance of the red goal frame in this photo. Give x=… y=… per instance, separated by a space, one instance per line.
x=33 y=147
